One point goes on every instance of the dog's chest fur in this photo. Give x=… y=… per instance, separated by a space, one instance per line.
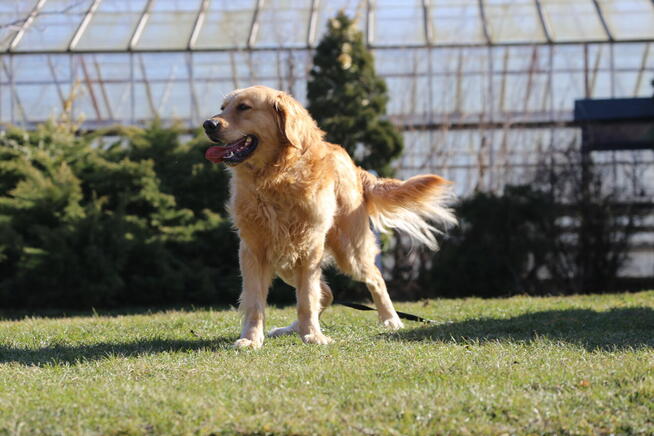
x=285 y=222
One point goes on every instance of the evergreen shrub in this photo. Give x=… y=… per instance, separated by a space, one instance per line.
x=89 y=222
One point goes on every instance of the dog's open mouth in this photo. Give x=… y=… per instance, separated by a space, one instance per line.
x=233 y=153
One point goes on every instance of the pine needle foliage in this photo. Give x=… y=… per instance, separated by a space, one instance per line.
x=86 y=222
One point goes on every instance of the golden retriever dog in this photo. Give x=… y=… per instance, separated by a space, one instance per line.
x=299 y=202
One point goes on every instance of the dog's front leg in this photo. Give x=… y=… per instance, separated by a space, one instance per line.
x=257 y=276
x=309 y=295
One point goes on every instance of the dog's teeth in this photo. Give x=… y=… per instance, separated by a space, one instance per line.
x=229 y=154
x=248 y=140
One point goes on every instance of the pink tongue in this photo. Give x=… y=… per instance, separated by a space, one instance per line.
x=216 y=153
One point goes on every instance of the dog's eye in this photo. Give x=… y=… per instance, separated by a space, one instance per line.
x=243 y=107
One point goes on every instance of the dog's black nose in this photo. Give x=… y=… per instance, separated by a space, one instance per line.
x=211 y=124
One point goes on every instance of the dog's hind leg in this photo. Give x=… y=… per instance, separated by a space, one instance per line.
x=355 y=252
x=377 y=286
x=326 y=299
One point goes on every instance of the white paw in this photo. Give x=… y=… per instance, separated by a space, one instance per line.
x=282 y=331
x=314 y=338
x=245 y=343
x=393 y=323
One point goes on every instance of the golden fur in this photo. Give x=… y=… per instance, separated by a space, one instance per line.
x=298 y=201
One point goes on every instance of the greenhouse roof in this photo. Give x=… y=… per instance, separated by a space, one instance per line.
x=56 y=26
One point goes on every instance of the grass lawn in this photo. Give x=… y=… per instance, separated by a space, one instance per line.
x=569 y=365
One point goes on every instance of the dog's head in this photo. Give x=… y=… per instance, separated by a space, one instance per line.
x=257 y=125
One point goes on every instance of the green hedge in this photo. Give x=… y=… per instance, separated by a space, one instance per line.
x=86 y=221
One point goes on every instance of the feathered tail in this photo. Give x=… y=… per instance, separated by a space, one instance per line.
x=410 y=206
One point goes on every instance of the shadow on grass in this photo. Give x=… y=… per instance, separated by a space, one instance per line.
x=58 y=354
x=20 y=314
x=614 y=329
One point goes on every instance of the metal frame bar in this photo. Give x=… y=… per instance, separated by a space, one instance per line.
x=313 y=23
x=595 y=73
x=543 y=23
x=370 y=46
x=74 y=40
x=165 y=95
x=89 y=86
x=138 y=31
x=195 y=107
x=197 y=26
x=28 y=21
x=426 y=21
x=103 y=88
x=484 y=23
x=509 y=73
x=643 y=64
x=57 y=83
x=605 y=25
x=148 y=90
x=132 y=97
x=370 y=22
x=530 y=77
x=612 y=68
x=587 y=85
x=254 y=26
x=15 y=99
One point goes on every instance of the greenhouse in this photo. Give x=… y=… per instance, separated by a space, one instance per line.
x=484 y=90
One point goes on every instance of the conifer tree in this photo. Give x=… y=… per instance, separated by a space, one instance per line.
x=348 y=100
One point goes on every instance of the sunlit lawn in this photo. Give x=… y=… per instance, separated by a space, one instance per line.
x=569 y=365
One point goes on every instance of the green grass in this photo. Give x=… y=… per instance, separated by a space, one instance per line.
x=569 y=365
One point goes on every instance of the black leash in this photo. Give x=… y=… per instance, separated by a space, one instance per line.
x=404 y=315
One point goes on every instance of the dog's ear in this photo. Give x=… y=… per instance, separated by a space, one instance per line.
x=295 y=125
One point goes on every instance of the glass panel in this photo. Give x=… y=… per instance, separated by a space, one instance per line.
x=414 y=61
x=456 y=22
x=112 y=25
x=629 y=19
x=521 y=58
x=634 y=55
x=566 y=88
x=626 y=84
x=568 y=57
x=444 y=90
x=54 y=26
x=41 y=68
x=104 y=81
x=216 y=74
x=399 y=22
x=283 y=23
x=118 y=103
x=169 y=25
x=471 y=95
x=355 y=9
x=39 y=101
x=226 y=24
x=572 y=20
x=408 y=96
x=37 y=92
x=216 y=66
x=454 y=60
x=213 y=78
x=525 y=96
x=513 y=21
x=162 y=86
x=266 y=65
x=13 y=15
